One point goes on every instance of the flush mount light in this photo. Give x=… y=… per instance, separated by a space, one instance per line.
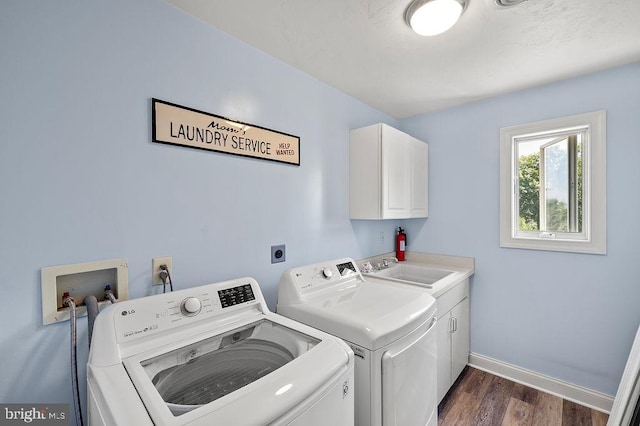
x=431 y=17
x=508 y=3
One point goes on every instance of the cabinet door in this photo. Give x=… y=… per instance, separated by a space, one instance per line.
x=396 y=183
x=460 y=338
x=419 y=159
x=443 y=332
x=365 y=184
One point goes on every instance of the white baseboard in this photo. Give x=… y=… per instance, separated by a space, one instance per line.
x=583 y=396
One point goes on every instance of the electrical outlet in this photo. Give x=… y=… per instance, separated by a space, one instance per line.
x=278 y=253
x=155 y=271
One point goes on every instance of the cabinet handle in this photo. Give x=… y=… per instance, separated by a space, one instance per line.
x=454 y=324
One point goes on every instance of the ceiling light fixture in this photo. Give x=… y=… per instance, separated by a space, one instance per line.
x=431 y=17
x=508 y=3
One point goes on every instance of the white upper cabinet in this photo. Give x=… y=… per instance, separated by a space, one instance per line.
x=388 y=174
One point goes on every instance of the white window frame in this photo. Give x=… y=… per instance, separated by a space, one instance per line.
x=593 y=238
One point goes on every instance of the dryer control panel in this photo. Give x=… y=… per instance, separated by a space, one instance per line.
x=298 y=284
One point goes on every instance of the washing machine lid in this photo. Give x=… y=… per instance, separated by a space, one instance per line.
x=334 y=297
x=256 y=371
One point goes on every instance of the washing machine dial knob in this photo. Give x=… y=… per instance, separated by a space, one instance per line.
x=191 y=306
x=326 y=272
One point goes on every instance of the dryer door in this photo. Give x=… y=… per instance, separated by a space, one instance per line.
x=409 y=380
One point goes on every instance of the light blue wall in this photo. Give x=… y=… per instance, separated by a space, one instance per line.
x=569 y=316
x=80 y=179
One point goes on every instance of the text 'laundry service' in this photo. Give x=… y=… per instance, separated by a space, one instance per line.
x=178 y=125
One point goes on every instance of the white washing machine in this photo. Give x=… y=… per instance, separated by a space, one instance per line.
x=215 y=355
x=391 y=330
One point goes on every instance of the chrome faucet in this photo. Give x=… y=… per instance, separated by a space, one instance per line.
x=385 y=261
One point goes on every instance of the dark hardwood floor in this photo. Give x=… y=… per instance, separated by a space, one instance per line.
x=480 y=398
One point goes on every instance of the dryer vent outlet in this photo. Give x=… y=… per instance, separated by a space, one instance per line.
x=278 y=253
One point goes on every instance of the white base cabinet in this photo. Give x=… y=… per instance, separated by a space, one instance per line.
x=452 y=335
x=388 y=174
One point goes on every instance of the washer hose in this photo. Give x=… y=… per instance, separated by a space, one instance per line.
x=91 y=302
x=68 y=301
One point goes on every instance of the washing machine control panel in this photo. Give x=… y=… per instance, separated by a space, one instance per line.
x=236 y=295
x=136 y=318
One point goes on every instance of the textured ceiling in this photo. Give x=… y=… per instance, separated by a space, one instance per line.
x=365 y=49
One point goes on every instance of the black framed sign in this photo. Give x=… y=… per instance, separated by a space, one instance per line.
x=178 y=125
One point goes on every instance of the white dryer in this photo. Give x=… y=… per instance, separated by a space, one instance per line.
x=391 y=330
x=215 y=355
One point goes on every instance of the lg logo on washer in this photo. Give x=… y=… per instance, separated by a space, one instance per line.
x=129 y=312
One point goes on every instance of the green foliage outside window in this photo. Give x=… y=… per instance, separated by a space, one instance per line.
x=529 y=181
x=529 y=192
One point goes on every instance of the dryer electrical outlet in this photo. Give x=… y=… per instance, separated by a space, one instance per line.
x=278 y=253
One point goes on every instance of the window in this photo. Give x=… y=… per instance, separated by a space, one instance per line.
x=553 y=184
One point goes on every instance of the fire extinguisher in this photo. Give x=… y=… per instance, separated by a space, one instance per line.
x=401 y=243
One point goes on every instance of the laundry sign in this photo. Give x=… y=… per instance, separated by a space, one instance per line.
x=178 y=125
